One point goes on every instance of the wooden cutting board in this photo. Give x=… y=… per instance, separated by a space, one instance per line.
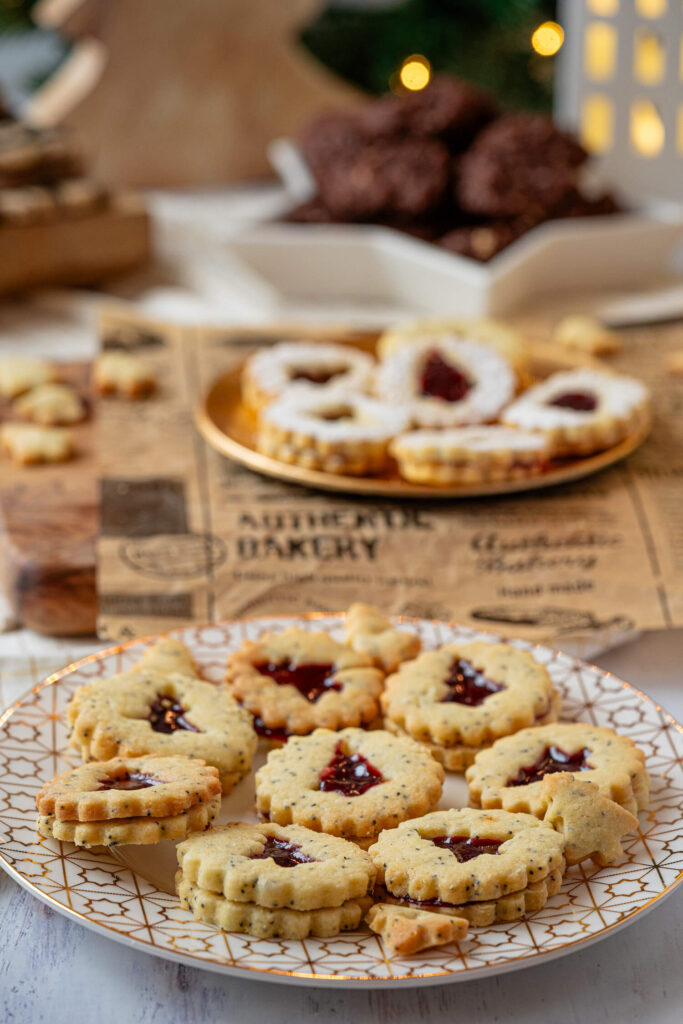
x=49 y=517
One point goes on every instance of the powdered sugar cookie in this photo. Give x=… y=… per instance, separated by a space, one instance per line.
x=303 y=365
x=582 y=411
x=510 y=773
x=507 y=341
x=338 y=432
x=350 y=783
x=446 y=382
x=370 y=632
x=295 y=681
x=470 y=455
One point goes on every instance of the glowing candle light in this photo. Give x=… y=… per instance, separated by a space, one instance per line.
x=415 y=73
x=547 y=38
x=647 y=128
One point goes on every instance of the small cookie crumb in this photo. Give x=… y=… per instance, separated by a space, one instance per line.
x=50 y=405
x=406 y=930
x=586 y=334
x=123 y=374
x=29 y=444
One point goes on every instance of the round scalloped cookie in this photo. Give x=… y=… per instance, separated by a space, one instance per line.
x=294 y=366
x=505 y=339
x=275 y=866
x=351 y=783
x=446 y=382
x=338 y=432
x=470 y=455
x=582 y=411
x=510 y=773
x=468 y=695
x=460 y=856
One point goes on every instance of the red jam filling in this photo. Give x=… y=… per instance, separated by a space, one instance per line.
x=580 y=401
x=468 y=685
x=552 y=760
x=129 y=780
x=441 y=380
x=350 y=774
x=167 y=715
x=310 y=680
x=316 y=376
x=466 y=847
x=284 y=853
x=268 y=733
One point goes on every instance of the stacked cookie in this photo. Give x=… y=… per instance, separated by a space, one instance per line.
x=271 y=881
x=137 y=800
x=448 y=402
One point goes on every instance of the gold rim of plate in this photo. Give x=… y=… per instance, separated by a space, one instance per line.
x=231 y=429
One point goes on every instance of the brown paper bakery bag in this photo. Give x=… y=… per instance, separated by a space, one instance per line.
x=188 y=536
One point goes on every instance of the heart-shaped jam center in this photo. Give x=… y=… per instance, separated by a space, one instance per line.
x=552 y=760
x=284 y=853
x=319 y=376
x=579 y=401
x=468 y=685
x=466 y=847
x=441 y=380
x=167 y=715
x=310 y=680
x=129 y=780
x=350 y=774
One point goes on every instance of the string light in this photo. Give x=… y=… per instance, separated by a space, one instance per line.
x=547 y=38
x=415 y=73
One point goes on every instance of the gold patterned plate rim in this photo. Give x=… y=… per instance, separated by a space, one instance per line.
x=101 y=892
x=230 y=429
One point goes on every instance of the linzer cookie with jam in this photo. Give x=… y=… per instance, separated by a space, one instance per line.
x=459 y=699
x=507 y=341
x=470 y=455
x=336 y=432
x=479 y=865
x=511 y=773
x=294 y=682
x=582 y=411
x=446 y=382
x=371 y=632
x=275 y=882
x=145 y=711
x=294 y=366
x=351 y=783
x=138 y=800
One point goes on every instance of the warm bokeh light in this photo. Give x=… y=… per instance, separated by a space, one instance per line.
x=651 y=8
x=600 y=50
x=547 y=38
x=649 y=58
x=597 y=123
x=604 y=8
x=415 y=72
x=647 y=128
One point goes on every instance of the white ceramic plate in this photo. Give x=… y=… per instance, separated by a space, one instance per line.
x=128 y=895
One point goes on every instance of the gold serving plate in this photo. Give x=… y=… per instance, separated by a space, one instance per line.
x=231 y=428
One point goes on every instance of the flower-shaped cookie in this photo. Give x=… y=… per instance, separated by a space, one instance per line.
x=295 y=681
x=296 y=366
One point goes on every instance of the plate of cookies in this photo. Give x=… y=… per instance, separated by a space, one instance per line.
x=433 y=408
x=342 y=799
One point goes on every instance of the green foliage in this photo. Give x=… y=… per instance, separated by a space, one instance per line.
x=15 y=15
x=486 y=41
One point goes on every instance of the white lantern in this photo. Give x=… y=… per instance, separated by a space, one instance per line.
x=620 y=87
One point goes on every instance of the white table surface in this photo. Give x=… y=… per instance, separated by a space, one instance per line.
x=53 y=970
